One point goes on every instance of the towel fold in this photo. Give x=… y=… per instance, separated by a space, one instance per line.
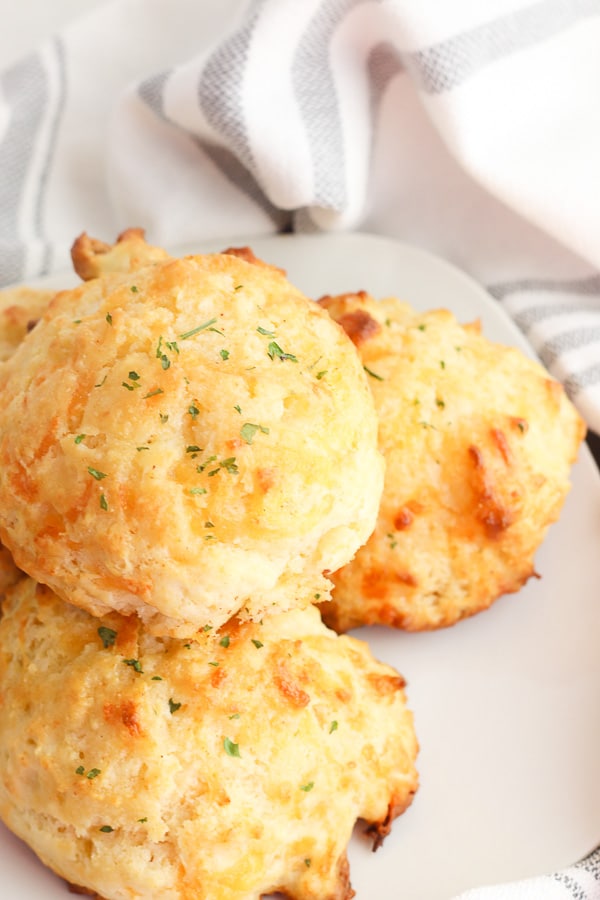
x=470 y=129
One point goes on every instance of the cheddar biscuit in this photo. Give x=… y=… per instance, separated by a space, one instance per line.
x=20 y=309
x=478 y=441
x=229 y=766
x=196 y=439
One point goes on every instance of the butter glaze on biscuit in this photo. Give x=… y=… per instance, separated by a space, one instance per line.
x=195 y=439
x=228 y=767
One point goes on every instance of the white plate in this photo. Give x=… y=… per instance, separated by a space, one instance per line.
x=506 y=704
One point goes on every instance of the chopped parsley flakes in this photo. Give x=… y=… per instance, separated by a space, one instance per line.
x=248 y=430
x=373 y=374
x=275 y=352
x=96 y=474
x=107 y=635
x=93 y=773
x=135 y=664
x=153 y=394
x=231 y=749
x=199 y=328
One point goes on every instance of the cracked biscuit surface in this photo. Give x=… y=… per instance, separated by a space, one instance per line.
x=196 y=439
x=231 y=766
x=478 y=441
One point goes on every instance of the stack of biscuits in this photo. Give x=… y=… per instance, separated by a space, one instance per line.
x=199 y=468
x=188 y=447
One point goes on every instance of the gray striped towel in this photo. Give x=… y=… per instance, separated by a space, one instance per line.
x=470 y=129
x=579 y=882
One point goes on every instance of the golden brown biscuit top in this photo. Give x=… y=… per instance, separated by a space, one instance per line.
x=228 y=766
x=187 y=437
x=478 y=440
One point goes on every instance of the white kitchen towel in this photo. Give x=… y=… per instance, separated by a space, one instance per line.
x=471 y=129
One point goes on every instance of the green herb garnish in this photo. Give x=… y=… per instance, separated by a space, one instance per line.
x=275 y=351
x=135 y=664
x=108 y=636
x=96 y=474
x=231 y=749
x=373 y=374
x=248 y=430
x=193 y=331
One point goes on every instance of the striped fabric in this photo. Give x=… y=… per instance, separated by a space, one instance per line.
x=579 y=882
x=471 y=129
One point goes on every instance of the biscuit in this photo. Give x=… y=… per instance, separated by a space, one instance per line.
x=20 y=309
x=226 y=767
x=478 y=441
x=196 y=439
x=9 y=574
x=93 y=258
